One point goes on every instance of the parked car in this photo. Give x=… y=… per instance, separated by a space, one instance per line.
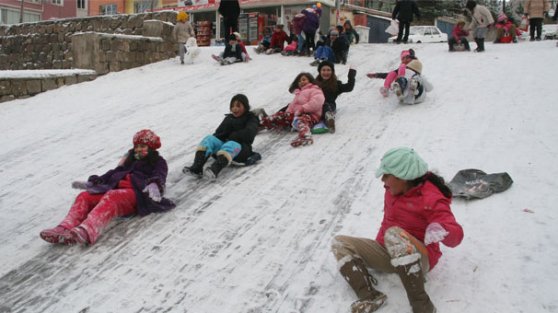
x=419 y=34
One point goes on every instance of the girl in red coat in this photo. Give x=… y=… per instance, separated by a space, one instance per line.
x=135 y=186
x=417 y=217
x=302 y=113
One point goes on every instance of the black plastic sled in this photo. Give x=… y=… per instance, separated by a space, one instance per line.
x=473 y=183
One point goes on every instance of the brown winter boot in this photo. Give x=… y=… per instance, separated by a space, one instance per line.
x=412 y=277
x=356 y=274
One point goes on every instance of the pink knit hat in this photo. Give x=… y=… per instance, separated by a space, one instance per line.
x=405 y=53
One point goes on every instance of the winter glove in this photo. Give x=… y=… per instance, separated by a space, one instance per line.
x=95 y=180
x=434 y=233
x=153 y=192
x=81 y=184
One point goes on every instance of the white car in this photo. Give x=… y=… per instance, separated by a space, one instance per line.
x=419 y=34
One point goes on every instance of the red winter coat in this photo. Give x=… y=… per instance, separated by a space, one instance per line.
x=459 y=32
x=417 y=208
x=309 y=100
x=278 y=39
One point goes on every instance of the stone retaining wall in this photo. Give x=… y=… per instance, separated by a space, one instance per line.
x=48 y=44
x=26 y=85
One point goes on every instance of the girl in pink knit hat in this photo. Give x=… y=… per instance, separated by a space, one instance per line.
x=135 y=186
x=406 y=57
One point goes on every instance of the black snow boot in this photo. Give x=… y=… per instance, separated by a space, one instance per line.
x=220 y=163
x=480 y=44
x=196 y=168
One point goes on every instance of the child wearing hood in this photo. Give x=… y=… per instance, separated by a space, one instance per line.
x=232 y=140
x=332 y=88
x=135 y=186
x=302 y=113
x=411 y=88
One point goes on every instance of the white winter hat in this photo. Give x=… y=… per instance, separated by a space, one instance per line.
x=415 y=65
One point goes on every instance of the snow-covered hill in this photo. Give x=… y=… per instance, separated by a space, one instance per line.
x=258 y=239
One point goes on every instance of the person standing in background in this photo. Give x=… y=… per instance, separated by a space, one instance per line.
x=230 y=10
x=481 y=19
x=535 y=10
x=403 y=12
x=182 y=32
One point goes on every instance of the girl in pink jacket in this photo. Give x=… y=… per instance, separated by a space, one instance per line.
x=417 y=217
x=302 y=113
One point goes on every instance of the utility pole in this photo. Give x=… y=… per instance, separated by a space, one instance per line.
x=21 y=12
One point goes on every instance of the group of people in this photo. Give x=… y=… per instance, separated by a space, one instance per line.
x=506 y=30
x=417 y=214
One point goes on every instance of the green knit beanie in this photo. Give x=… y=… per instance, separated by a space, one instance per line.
x=403 y=163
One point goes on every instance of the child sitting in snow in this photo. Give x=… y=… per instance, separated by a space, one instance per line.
x=406 y=57
x=412 y=87
x=302 y=113
x=459 y=37
x=506 y=31
x=135 y=186
x=232 y=53
x=232 y=140
x=332 y=88
x=265 y=43
x=245 y=55
x=417 y=219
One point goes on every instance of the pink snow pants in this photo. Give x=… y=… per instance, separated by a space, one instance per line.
x=390 y=78
x=94 y=212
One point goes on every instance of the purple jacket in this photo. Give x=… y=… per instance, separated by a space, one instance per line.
x=311 y=20
x=298 y=22
x=152 y=169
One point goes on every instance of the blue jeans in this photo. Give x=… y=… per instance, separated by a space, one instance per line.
x=213 y=145
x=300 y=43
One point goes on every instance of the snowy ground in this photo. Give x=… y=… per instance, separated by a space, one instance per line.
x=258 y=239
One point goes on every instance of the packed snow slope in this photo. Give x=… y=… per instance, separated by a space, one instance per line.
x=258 y=239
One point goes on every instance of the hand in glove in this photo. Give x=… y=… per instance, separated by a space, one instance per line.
x=95 y=180
x=153 y=192
x=434 y=233
x=81 y=184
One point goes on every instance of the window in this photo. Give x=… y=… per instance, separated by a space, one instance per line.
x=108 y=9
x=58 y=2
x=10 y=16
x=141 y=6
x=81 y=4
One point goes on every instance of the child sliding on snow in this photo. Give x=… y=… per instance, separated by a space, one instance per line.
x=232 y=140
x=232 y=53
x=302 y=113
x=406 y=57
x=412 y=87
x=332 y=88
x=135 y=186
